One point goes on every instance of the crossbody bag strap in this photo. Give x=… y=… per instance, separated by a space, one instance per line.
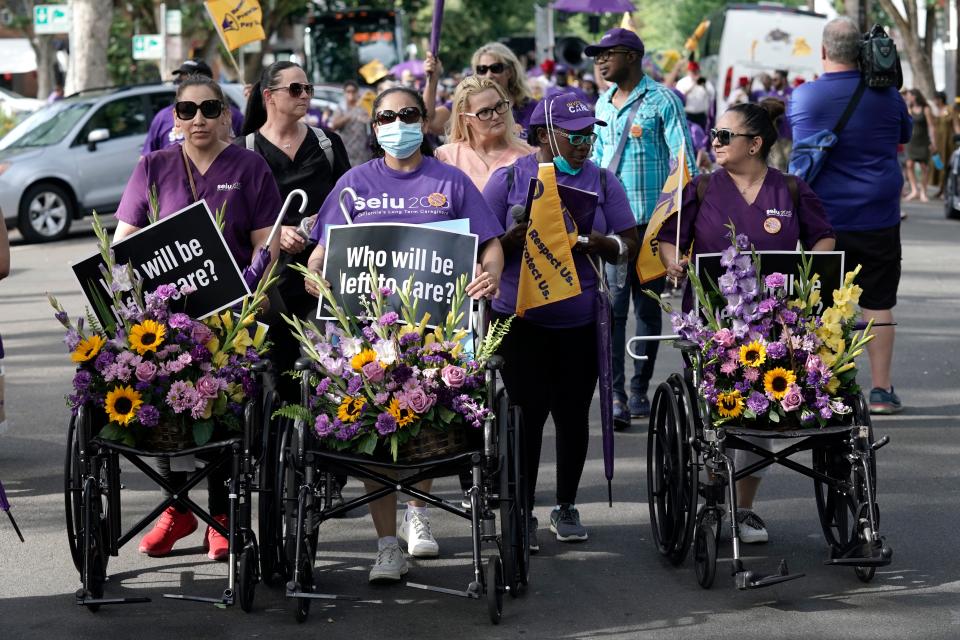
x=851 y=106
x=326 y=145
x=186 y=167
x=621 y=145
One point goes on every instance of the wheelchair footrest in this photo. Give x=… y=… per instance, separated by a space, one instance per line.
x=881 y=556
x=218 y=601
x=751 y=580
x=469 y=593
x=294 y=592
x=83 y=602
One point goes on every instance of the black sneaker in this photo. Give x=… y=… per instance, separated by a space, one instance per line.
x=883 y=402
x=533 y=542
x=565 y=522
x=639 y=407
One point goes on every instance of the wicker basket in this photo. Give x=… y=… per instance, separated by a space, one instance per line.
x=168 y=437
x=433 y=443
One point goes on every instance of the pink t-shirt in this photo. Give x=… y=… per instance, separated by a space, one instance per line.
x=463 y=157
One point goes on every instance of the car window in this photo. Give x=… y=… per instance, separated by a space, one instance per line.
x=47 y=126
x=160 y=101
x=121 y=117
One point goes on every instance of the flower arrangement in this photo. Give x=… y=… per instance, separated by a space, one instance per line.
x=383 y=378
x=767 y=358
x=148 y=366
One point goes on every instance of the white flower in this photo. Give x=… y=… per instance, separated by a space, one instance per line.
x=350 y=347
x=430 y=374
x=121 y=278
x=386 y=352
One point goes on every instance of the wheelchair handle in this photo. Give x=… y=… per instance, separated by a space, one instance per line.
x=631 y=342
x=303 y=364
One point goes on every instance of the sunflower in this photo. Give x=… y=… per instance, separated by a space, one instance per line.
x=350 y=409
x=753 y=354
x=87 y=348
x=362 y=358
x=402 y=416
x=121 y=404
x=730 y=404
x=147 y=336
x=777 y=382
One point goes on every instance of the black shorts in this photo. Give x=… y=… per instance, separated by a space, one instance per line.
x=878 y=250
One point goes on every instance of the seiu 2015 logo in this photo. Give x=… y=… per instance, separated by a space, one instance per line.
x=434 y=200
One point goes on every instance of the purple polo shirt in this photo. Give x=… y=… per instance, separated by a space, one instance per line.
x=613 y=215
x=522 y=114
x=238 y=177
x=160 y=135
x=432 y=192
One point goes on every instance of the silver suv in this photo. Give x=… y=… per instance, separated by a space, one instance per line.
x=76 y=155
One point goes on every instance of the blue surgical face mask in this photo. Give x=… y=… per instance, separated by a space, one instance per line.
x=399 y=139
x=563 y=166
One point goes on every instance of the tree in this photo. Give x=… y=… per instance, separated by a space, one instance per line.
x=88 y=44
x=22 y=20
x=918 y=52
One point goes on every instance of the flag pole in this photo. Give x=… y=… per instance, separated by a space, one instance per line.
x=681 y=168
x=223 y=40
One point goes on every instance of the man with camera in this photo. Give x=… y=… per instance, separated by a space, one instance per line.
x=859 y=181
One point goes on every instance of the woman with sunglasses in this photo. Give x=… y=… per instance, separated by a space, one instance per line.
x=406 y=185
x=775 y=211
x=481 y=138
x=203 y=167
x=551 y=353
x=498 y=63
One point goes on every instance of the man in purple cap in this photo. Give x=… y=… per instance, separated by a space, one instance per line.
x=162 y=133
x=647 y=128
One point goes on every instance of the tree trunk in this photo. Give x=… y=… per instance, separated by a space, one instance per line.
x=46 y=59
x=908 y=26
x=88 y=44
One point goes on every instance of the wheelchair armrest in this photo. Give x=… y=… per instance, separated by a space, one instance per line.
x=495 y=363
x=260 y=366
x=303 y=364
x=686 y=345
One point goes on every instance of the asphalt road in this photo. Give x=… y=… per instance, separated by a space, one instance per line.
x=613 y=586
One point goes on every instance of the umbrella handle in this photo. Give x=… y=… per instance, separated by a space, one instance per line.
x=283 y=213
x=344 y=209
x=637 y=356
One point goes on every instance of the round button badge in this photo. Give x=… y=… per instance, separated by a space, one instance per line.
x=771 y=225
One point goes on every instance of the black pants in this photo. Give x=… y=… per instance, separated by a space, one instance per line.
x=553 y=372
x=217 y=502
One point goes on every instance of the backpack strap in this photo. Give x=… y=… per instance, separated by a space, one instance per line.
x=325 y=144
x=792 y=187
x=704 y=182
x=249 y=141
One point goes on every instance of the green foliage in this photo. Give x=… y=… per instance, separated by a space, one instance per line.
x=294 y=412
x=202 y=432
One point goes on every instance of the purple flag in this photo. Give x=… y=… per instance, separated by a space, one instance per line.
x=435 y=30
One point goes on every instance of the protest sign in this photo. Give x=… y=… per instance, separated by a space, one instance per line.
x=185 y=248
x=435 y=258
x=828 y=264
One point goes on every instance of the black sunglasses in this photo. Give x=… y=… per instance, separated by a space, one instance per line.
x=296 y=89
x=726 y=136
x=187 y=110
x=606 y=54
x=496 y=67
x=487 y=114
x=407 y=115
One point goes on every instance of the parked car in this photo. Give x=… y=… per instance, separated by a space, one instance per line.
x=14 y=105
x=75 y=156
x=951 y=195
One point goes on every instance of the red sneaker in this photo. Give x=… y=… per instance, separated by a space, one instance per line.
x=171 y=526
x=218 y=546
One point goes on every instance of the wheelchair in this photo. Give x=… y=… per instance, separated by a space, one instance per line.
x=691 y=474
x=305 y=477
x=92 y=497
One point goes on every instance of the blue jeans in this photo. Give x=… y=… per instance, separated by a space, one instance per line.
x=649 y=322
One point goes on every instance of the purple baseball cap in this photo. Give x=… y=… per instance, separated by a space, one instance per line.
x=568 y=112
x=615 y=38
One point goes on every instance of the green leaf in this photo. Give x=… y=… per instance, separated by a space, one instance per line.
x=220 y=404
x=368 y=444
x=394 y=447
x=749 y=414
x=111 y=431
x=294 y=412
x=202 y=432
x=414 y=429
x=446 y=415
x=774 y=416
x=126 y=436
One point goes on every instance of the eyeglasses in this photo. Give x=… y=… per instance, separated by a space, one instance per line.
x=407 y=115
x=603 y=56
x=578 y=139
x=296 y=89
x=187 y=110
x=726 y=136
x=487 y=114
x=496 y=67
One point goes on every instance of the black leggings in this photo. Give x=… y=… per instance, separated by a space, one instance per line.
x=553 y=372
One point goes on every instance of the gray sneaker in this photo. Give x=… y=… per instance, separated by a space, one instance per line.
x=565 y=522
x=533 y=542
x=391 y=565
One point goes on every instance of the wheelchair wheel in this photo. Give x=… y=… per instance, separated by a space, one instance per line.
x=514 y=512
x=705 y=554
x=247 y=576
x=671 y=470
x=494 y=588
x=72 y=495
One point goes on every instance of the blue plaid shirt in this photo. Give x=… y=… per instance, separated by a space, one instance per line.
x=654 y=137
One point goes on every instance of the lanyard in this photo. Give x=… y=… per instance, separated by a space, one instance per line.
x=186 y=167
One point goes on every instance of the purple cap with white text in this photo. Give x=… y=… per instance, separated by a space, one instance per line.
x=568 y=112
x=615 y=38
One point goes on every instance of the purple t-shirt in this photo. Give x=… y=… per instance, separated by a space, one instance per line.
x=160 y=135
x=238 y=177
x=432 y=192
x=522 y=114
x=784 y=132
x=613 y=215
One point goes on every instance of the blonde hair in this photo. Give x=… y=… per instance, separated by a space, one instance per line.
x=517 y=87
x=468 y=87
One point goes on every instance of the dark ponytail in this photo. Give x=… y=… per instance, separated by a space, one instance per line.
x=425 y=147
x=256 y=114
x=760 y=120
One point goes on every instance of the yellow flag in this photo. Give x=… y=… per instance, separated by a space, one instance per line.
x=238 y=21
x=649 y=266
x=373 y=71
x=547 y=272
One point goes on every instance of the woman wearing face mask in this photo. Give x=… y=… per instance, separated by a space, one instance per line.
x=496 y=62
x=408 y=175
x=481 y=136
x=775 y=211
x=551 y=353
x=183 y=174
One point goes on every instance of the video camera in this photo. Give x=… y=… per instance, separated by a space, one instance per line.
x=879 y=62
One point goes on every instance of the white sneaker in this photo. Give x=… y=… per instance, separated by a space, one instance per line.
x=391 y=565
x=415 y=531
x=751 y=526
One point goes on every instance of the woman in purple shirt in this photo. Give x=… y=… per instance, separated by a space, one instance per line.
x=759 y=201
x=203 y=167
x=551 y=353
x=407 y=185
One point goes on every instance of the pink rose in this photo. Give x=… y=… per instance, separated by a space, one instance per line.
x=419 y=400
x=793 y=399
x=208 y=387
x=373 y=371
x=146 y=371
x=453 y=376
